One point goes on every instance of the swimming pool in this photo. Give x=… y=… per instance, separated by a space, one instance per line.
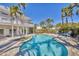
x=42 y=45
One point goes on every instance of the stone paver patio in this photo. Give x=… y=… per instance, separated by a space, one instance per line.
x=70 y=43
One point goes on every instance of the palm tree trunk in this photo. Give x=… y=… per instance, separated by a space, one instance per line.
x=72 y=20
x=62 y=20
x=66 y=20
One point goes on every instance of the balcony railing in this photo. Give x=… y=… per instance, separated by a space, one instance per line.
x=19 y=24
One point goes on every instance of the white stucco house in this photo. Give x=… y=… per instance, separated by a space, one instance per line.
x=39 y=27
x=21 y=25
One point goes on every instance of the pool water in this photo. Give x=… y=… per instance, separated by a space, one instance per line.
x=43 y=45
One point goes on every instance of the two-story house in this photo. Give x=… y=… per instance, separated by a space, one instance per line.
x=21 y=25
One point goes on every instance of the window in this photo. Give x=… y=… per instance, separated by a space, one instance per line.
x=1 y=31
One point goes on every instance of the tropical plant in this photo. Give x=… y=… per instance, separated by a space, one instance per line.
x=14 y=11
x=59 y=24
x=72 y=5
x=43 y=24
x=71 y=13
x=49 y=22
x=62 y=19
x=22 y=4
x=77 y=12
x=67 y=12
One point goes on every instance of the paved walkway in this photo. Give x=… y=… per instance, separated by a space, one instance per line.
x=12 y=47
x=8 y=45
x=71 y=44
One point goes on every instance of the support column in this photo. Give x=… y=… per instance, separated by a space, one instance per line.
x=20 y=31
x=26 y=31
x=23 y=30
x=17 y=31
x=12 y=26
x=6 y=32
x=12 y=31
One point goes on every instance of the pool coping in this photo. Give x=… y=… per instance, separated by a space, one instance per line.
x=71 y=50
x=70 y=53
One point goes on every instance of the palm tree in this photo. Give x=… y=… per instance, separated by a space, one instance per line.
x=42 y=24
x=22 y=5
x=72 y=5
x=14 y=10
x=71 y=19
x=64 y=14
x=62 y=20
x=49 y=22
x=77 y=12
x=70 y=14
x=67 y=12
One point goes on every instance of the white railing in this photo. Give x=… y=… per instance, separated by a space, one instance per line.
x=8 y=22
x=28 y=25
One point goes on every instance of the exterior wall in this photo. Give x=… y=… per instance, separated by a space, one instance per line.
x=6 y=32
x=5 y=23
x=19 y=30
x=1 y=31
x=30 y=30
x=39 y=27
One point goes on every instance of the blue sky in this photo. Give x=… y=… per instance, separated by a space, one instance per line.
x=41 y=11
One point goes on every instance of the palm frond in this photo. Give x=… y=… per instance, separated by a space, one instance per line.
x=77 y=12
x=19 y=12
x=22 y=4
